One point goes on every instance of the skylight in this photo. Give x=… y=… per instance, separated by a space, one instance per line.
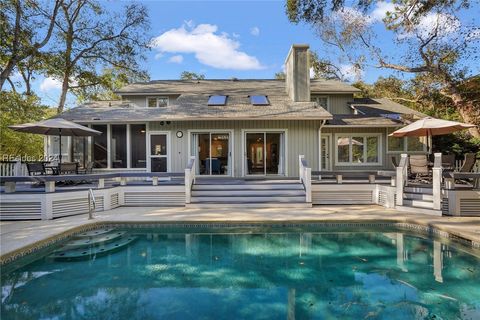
x=217 y=100
x=259 y=100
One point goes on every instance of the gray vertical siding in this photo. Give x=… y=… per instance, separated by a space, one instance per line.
x=339 y=103
x=301 y=138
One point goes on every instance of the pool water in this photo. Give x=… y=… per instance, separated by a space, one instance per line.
x=245 y=274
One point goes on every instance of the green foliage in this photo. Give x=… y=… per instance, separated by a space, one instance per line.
x=107 y=82
x=280 y=75
x=188 y=75
x=15 y=109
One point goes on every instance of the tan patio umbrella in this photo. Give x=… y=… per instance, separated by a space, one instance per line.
x=428 y=127
x=56 y=127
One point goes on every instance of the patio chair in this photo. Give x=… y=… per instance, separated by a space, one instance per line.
x=448 y=161
x=419 y=168
x=36 y=169
x=68 y=168
x=87 y=170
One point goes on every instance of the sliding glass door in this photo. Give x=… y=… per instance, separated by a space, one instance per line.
x=264 y=153
x=213 y=153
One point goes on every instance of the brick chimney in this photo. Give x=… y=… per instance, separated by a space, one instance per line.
x=297 y=73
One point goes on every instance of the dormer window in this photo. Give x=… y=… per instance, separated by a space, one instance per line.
x=157 y=102
x=259 y=100
x=322 y=101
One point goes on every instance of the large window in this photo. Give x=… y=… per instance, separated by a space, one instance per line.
x=79 y=150
x=100 y=146
x=358 y=149
x=118 y=145
x=406 y=144
x=157 y=102
x=138 y=146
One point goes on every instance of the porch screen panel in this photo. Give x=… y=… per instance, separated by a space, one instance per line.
x=79 y=150
x=119 y=145
x=99 y=147
x=138 y=146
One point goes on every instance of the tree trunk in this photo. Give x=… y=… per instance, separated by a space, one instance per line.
x=63 y=95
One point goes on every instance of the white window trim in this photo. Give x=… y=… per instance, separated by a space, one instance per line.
x=316 y=97
x=156 y=97
x=244 y=145
x=365 y=136
x=231 y=146
x=167 y=156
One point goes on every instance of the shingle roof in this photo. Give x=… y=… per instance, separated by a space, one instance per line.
x=195 y=107
x=230 y=87
x=377 y=106
x=363 y=120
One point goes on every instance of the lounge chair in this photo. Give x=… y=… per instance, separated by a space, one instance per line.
x=469 y=162
x=419 y=168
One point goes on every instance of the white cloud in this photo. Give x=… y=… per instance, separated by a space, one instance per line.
x=176 y=59
x=235 y=35
x=350 y=72
x=255 y=31
x=159 y=56
x=474 y=34
x=380 y=11
x=445 y=23
x=209 y=47
x=50 y=83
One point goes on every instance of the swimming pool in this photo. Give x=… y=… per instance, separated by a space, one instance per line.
x=245 y=273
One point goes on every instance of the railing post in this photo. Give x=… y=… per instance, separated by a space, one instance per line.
x=308 y=185
x=437 y=182
x=188 y=190
x=300 y=167
x=17 y=168
x=402 y=175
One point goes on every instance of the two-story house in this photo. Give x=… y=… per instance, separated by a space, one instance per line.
x=241 y=128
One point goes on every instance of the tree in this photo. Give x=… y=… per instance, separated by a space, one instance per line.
x=25 y=28
x=280 y=75
x=89 y=38
x=18 y=108
x=187 y=75
x=437 y=56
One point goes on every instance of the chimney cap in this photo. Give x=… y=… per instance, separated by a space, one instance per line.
x=296 y=46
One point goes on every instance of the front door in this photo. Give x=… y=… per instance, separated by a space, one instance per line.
x=264 y=153
x=158 y=152
x=213 y=153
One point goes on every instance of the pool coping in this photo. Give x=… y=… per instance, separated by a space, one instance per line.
x=401 y=223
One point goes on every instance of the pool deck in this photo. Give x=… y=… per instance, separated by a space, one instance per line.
x=16 y=235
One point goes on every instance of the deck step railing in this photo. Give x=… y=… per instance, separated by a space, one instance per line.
x=305 y=174
x=189 y=179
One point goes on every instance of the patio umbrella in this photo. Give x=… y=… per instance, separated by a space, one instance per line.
x=428 y=127
x=56 y=127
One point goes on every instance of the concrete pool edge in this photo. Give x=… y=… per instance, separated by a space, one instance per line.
x=409 y=223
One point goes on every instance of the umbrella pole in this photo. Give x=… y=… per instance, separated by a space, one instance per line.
x=60 y=155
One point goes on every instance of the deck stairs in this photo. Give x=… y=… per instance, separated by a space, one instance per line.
x=418 y=199
x=248 y=193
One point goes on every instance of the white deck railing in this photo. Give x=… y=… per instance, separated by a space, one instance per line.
x=189 y=179
x=13 y=168
x=305 y=174
x=437 y=181
x=402 y=177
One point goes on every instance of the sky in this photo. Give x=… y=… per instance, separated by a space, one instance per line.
x=225 y=39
